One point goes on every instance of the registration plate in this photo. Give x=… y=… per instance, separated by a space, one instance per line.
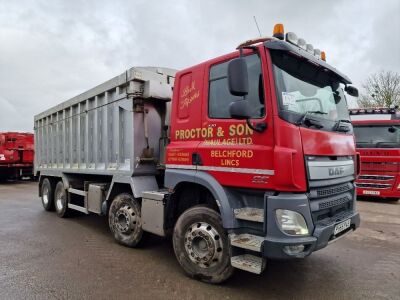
x=342 y=226
x=371 y=192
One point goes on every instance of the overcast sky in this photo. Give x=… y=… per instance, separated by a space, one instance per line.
x=51 y=51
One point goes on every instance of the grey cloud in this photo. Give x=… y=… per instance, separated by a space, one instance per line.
x=53 y=50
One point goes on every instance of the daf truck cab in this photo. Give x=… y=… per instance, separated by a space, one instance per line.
x=378 y=142
x=267 y=131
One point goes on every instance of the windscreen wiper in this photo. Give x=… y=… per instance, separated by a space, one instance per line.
x=311 y=122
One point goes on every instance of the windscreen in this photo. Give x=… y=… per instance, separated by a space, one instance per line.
x=303 y=88
x=373 y=136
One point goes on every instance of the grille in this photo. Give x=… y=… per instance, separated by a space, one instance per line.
x=330 y=198
x=325 y=192
x=340 y=216
x=332 y=203
x=376 y=177
x=380 y=166
x=374 y=185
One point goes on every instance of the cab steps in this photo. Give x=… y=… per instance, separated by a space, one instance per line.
x=248 y=262
x=246 y=241
x=249 y=214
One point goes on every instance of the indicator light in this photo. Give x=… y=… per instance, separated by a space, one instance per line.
x=323 y=55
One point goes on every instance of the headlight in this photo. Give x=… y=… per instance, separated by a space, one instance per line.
x=291 y=222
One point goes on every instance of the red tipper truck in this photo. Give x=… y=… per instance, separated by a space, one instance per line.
x=16 y=155
x=250 y=157
x=377 y=133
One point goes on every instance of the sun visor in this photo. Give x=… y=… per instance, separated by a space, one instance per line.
x=276 y=44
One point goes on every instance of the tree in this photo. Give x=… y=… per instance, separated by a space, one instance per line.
x=381 y=90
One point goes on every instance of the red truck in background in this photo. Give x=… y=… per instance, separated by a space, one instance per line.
x=377 y=133
x=16 y=155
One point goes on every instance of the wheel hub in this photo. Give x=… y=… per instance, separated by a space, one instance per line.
x=125 y=219
x=59 y=201
x=203 y=244
x=45 y=195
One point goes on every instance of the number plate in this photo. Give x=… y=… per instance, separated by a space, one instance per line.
x=371 y=192
x=341 y=226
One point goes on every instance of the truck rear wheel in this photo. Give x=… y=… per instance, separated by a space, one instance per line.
x=60 y=200
x=124 y=220
x=47 y=193
x=202 y=246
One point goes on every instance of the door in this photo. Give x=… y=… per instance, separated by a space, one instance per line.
x=232 y=152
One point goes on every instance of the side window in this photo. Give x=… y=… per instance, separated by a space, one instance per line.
x=184 y=91
x=219 y=96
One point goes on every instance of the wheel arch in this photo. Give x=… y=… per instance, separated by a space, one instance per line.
x=176 y=179
x=117 y=188
x=134 y=185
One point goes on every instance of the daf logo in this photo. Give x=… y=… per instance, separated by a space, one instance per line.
x=336 y=171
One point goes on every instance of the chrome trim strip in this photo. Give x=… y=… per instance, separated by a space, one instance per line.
x=237 y=170
x=376 y=177
x=387 y=176
x=222 y=169
x=331 y=163
x=364 y=185
x=185 y=167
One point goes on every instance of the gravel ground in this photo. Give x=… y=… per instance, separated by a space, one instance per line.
x=45 y=257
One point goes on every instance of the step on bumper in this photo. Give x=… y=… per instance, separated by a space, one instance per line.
x=249 y=214
x=247 y=241
x=248 y=262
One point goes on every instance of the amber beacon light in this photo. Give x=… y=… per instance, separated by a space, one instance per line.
x=279 y=32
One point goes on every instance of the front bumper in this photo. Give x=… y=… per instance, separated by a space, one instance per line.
x=322 y=233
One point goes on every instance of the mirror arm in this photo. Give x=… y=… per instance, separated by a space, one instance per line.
x=260 y=127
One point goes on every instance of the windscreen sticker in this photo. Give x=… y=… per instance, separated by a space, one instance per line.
x=288 y=98
x=2 y=157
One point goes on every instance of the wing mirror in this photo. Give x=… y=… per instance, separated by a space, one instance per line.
x=238 y=79
x=351 y=90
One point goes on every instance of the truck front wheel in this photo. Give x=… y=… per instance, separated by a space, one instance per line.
x=124 y=220
x=47 y=193
x=201 y=245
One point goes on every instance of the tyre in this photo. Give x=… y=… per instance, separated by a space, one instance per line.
x=60 y=200
x=202 y=246
x=124 y=220
x=47 y=192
